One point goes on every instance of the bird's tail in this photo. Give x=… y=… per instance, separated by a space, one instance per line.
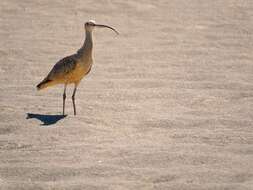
x=44 y=84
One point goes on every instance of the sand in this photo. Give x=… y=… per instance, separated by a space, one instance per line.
x=168 y=103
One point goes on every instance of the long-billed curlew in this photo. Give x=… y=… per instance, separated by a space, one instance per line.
x=73 y=68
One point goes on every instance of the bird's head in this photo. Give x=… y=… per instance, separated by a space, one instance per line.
x=91 y=24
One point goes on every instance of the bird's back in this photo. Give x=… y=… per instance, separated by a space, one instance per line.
x=70 y=69
x=63 y=68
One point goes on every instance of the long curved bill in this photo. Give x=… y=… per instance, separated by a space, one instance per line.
x=105 y=26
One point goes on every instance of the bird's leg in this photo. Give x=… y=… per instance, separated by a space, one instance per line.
x=73 y=99
x=64 y=97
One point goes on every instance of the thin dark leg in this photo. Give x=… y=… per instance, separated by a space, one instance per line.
x=73 y=99
x=64 y=97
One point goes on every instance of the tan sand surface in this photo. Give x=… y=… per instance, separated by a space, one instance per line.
x=168 y=103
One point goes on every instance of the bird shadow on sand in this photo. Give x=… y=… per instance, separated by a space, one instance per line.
x=46 y=119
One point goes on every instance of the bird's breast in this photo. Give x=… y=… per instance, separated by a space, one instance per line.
x=79 y=72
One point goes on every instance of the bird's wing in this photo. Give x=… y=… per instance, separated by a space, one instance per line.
x=62 y=67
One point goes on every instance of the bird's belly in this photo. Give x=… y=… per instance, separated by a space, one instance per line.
x=78 y=73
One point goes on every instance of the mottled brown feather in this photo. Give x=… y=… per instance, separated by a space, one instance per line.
x=62 y=68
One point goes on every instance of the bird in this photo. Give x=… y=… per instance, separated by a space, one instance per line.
x=71 y=69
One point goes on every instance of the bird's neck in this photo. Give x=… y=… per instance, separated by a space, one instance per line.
x=86 y=49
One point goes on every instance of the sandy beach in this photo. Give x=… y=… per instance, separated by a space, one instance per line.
x=168 y=103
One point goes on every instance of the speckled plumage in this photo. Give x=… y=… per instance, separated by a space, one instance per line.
x=70 y=69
